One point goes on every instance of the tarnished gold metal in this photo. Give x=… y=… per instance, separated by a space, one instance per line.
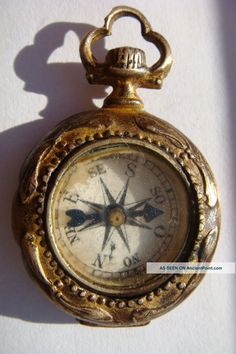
x=125 y=68
x=121 y=117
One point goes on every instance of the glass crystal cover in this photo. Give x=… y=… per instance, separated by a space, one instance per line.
x=113 y=208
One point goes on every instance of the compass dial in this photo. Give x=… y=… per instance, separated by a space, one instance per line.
x=112 y=209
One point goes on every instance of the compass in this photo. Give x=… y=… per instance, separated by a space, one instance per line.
x=110 y=190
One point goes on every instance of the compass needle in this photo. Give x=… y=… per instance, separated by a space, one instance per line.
x=78 y=217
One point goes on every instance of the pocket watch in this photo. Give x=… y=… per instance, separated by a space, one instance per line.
x=111 y=189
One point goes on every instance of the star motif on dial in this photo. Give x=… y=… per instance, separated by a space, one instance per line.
x=114 y=214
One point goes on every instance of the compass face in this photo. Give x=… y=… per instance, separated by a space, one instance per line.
x=112 y=209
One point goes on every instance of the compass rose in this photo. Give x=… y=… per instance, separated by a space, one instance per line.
x=114 y=214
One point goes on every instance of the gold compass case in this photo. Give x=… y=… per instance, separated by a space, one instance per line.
x=111 y=189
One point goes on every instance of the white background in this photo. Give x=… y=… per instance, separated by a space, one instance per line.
x=42 y=82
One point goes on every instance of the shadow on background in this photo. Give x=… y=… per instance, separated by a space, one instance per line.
x=227 y=14
x=67 y=92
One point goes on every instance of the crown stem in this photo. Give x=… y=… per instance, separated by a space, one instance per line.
x=124 y=93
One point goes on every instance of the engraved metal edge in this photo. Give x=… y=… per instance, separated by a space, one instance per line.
x=44 y=265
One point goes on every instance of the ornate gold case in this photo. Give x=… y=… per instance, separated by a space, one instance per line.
x=121 y=119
